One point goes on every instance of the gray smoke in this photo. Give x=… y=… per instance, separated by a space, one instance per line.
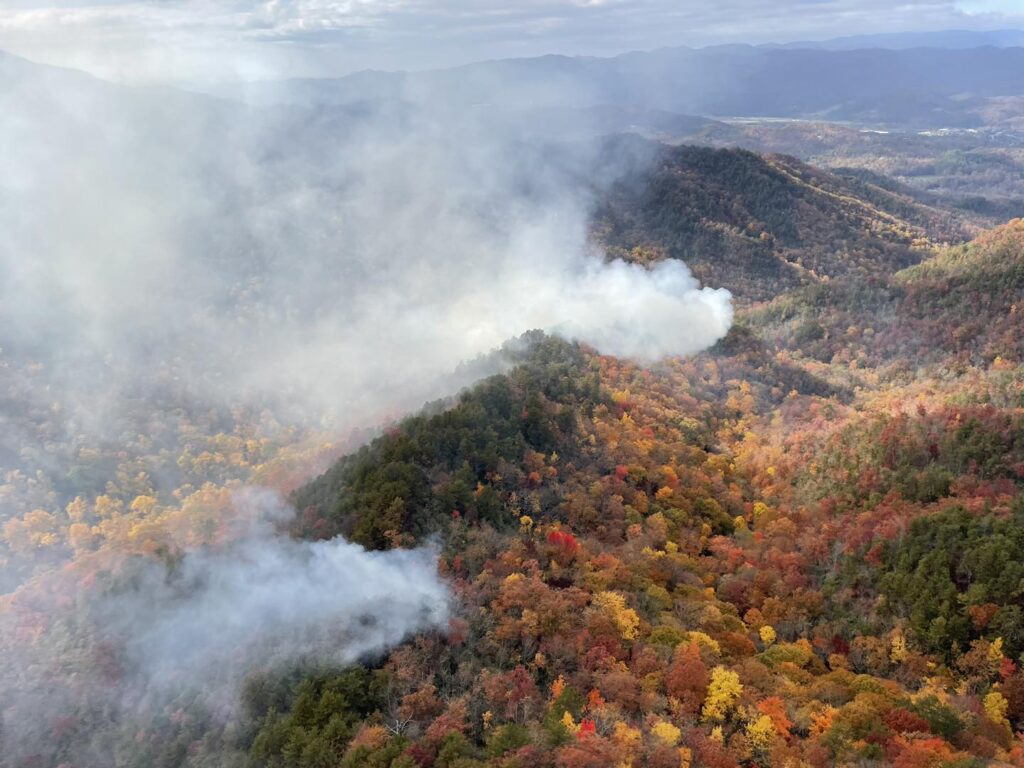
x=167 y=253
x=268 y=601
x=339 y=259
x=193 y=629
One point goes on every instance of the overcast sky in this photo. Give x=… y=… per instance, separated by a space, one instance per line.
x=145 y=40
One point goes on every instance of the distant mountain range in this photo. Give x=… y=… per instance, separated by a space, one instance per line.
x=887 y=80
x=905 y=81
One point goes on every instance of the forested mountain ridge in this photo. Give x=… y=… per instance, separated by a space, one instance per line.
x=962 y=305
x=761 y=225
x=718 y=570
x=798 y=548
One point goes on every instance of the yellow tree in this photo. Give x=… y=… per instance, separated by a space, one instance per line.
x=723 y=690
x=761 y=733
x=613 y=605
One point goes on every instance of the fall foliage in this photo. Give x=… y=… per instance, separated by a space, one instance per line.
x=797 y=549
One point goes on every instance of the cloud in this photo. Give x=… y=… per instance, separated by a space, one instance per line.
x=994 y=7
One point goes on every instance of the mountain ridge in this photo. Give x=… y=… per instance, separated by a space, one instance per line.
x=761 y=225
x=919 y=86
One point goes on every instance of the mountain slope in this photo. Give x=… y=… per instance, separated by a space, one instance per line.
x=725 y=561
x=718 y=576
x=962 y=304
x=461 y=460
x=762 y=225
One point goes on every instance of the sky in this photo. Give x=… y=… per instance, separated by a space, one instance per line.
x=182 y=40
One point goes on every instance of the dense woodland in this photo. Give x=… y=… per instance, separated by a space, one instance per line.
x=762 y=225
x=804 y=547
x=975 y=169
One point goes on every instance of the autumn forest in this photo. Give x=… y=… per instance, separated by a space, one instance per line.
x=781 y=527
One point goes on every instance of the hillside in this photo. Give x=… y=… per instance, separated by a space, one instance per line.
x=716 y=561
x=694 y=569
x=762 y=225
x=962 y=304
x=961 y=166
x=797 y=549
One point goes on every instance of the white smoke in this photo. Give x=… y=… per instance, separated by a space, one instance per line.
x=343 y=260
x=268 y=601
x=333 y=265
x=628 y=310
x=193 y=629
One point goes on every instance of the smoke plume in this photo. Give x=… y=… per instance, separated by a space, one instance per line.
x=167 y=253
x=194 y=628
x=340 y=260
x=274 y=601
